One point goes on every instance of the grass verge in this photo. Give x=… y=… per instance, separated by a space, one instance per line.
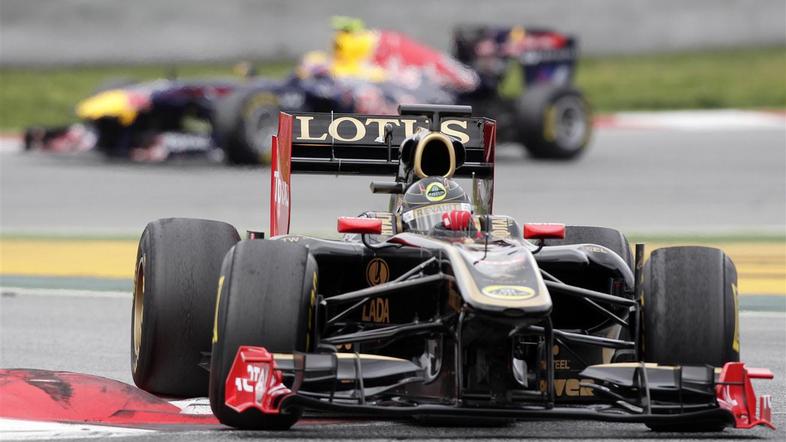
x=743 y=78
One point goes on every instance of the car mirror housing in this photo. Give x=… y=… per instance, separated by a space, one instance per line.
x=544 y=231
x=349 y=224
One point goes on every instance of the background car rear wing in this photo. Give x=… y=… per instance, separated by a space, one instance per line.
x=339 y=144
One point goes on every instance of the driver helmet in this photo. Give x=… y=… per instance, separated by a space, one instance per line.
x=427 y=199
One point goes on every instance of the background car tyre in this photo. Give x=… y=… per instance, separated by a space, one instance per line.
x=690 y=313
x=266 y=294
x=245 y=123
x=177 y=266
x=604 y=236
x=555 y=121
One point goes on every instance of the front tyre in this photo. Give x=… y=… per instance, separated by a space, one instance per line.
x=612 y=239
x=555 y=122
x=690 y=313
x=177 y=266
x=267 y=292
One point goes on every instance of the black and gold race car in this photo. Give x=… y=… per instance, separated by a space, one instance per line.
x=436 y=308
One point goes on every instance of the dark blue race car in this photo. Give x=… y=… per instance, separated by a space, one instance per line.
x=521 y=77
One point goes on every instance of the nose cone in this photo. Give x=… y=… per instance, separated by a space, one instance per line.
x=114 y=103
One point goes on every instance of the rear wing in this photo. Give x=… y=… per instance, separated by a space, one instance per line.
x=344 y=144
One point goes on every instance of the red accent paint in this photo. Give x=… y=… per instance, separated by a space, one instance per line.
x=62 y=396
x=457 y=219
x=254 y=382
x=734 y=393
x=489 y=154
x=280 y=177
x=544 y=231
x=139 y=100
x=348 y=224
x=399 y=55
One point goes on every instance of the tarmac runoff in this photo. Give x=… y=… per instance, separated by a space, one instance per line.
x=64 y=266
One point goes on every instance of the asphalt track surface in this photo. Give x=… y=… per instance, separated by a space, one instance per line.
x=642 y=181
x=90 y=334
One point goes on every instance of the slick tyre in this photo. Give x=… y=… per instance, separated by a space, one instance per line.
x=177 y=267
x=245 y=123
x=266 y=295
x=610 y=238
x=555 y=122
x=690 y=313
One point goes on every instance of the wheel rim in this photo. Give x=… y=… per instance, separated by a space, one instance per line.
x=139 y=304
x=571 y=126
x=263 y=125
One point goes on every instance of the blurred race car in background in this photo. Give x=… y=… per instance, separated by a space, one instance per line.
x=521 y=77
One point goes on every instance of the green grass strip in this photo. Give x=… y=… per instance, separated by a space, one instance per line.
x=740 y=78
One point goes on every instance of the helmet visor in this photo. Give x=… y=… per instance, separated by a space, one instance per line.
x=424 y=218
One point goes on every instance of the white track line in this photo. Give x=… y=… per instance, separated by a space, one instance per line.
x=10 y=144
x=18 y=429
x=696 y=120
x=74 y=293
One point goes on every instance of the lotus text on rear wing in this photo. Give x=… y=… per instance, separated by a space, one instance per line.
x=310 y=129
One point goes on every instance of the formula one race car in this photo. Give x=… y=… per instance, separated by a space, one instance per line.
x=520 y=77
x=436 y=308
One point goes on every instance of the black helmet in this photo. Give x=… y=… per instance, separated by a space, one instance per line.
x=426 y=200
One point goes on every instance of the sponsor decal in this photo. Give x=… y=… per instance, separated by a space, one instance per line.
x=376 y=310
x=377 y=272
x=422 y=212
x=436 y=192
x=387 y=222
x=569 y=387
x=342 y=128
x=508 y=291
x=500 y=228
x=282 y=190
x=594 y=249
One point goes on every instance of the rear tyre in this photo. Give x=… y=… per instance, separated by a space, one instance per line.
x=690 y=313
x=266 y=293
x=603 y=236
x=177 y=266
x=245 y=123
x=555 y=122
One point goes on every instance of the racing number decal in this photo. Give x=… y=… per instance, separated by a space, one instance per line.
x=255 y=373
x=377 y=272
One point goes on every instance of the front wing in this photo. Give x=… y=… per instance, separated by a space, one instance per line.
x=630 y=392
